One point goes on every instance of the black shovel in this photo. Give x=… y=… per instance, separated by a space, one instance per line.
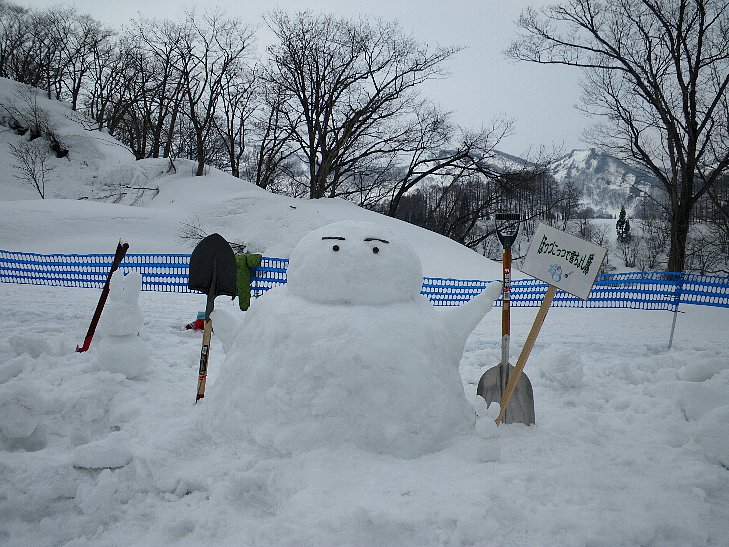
x=492 y=385
x=212 y=271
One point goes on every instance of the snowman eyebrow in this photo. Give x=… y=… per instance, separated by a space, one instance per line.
x=376 y=239
x=333 y=237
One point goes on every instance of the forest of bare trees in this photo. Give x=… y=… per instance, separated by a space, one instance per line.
x=333 y=108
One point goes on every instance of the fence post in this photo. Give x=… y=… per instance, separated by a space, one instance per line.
x=676 y=302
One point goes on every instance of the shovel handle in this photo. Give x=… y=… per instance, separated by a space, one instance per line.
x=526 y=350
x=204 y=354
x=121 y=251
x=506 y=293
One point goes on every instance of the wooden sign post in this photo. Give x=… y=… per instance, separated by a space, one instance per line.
x=564 y=262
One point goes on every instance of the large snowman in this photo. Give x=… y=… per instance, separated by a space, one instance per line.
x=348 y=352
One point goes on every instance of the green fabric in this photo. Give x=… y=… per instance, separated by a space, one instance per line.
x=245 y=263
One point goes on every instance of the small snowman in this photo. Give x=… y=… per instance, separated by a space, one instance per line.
x=486 y=428
x=121 y=349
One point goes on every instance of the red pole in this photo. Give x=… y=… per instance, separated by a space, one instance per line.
x=121 y=250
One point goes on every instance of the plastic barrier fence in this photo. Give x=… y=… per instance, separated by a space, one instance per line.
x=169 y=273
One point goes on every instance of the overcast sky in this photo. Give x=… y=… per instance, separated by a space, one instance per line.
x=483 y=84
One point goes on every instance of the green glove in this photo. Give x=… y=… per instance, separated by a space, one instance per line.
x=245 y=263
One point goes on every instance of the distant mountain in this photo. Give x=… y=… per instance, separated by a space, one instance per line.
x=606 y=183
x=501 y=161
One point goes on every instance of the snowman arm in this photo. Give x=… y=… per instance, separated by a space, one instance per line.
x=466 y=317
x=226 y=327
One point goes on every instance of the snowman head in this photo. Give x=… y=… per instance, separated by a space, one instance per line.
x=354 y=263
x=125 y=288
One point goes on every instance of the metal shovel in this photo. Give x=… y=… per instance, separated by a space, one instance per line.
x=493 y=382
x=212 y=271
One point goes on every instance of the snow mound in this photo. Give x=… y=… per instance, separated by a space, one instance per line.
x=21 y=409
x=110 y=453
x=561 y=367
x=702 y=369
x=713 y=435
x=89 y=151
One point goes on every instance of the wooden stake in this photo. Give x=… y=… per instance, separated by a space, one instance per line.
x=526 y=350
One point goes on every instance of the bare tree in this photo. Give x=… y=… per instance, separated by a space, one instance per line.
x=657 y=71
x=32 y=161
x=434 y=150
x=569 y=203
x=113 y=88
x=348 y=85
x=13 y=36
x=80 y=37
x=209 y=48
x=718 y=224
x=706 y=250
x=49 y=38
x=272 y=139
x=161 y=87
x=237 y=104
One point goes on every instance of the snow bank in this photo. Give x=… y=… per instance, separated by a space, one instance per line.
x=614 y=461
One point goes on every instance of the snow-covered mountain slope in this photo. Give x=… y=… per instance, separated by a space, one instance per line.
x=99 y=193
x=93 y=155
x=605 y=182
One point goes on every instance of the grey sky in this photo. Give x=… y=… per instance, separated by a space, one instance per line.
x=482 y=85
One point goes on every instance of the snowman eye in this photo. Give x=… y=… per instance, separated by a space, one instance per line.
x=335 y=248
x=375 y=249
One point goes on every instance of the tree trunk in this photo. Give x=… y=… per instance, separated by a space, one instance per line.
x=679 y=236
x=313 y=179
x=200 y=171
x=171 y=131
x=199 y=152
x=395 y=202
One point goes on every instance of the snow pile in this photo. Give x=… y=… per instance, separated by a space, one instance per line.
x=563 y=367
x=348 y=352
x=109 y=453
x=20 y=411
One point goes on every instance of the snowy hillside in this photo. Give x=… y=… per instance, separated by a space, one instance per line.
x=606 y=183
x=93 y=155
x=98 y=194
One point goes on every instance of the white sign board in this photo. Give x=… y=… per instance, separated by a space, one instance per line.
x=563 y=260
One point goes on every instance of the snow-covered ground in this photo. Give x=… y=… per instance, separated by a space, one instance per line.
x=631 y=445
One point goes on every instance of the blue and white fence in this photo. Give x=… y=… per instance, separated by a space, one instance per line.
x=169 y=273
